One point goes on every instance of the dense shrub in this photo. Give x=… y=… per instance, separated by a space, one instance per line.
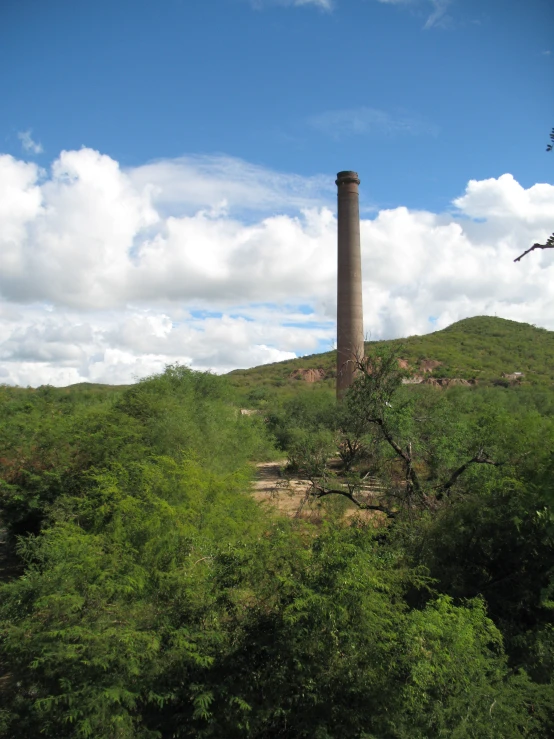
x=157 y=599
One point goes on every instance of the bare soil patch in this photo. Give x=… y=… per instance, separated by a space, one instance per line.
x=289 y=496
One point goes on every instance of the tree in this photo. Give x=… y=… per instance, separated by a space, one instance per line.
x=550 y=240
x=414 y=462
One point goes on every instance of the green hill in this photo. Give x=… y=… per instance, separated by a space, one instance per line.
x=483 y=349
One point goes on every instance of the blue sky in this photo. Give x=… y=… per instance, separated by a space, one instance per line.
x=244 y=110
x=468 y=97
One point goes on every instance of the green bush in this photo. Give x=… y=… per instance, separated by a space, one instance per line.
x=159 y=600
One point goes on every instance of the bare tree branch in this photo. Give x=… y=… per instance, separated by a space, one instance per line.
x=320 y=492
x=412 y=480
x=371 y=401
x=549 y=245
x=378 y=380
x=479 y=458
x=550 y=240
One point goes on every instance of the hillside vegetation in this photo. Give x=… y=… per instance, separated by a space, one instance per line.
x=481 y=349
x=149 y=596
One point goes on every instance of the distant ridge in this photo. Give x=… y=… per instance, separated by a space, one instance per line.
x=483 y=349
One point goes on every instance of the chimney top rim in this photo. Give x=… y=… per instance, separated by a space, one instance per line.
x=347 y=175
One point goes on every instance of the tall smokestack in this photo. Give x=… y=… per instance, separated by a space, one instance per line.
x=350 y=326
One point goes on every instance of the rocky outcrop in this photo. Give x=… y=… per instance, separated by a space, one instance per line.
x=513 y=376
x=425 y=366
x=415 y=380
x=448 y=381
x=309 y=375
x=437 y=381
x=428 y=365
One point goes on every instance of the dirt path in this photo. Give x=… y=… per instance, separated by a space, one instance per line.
x=289 y=496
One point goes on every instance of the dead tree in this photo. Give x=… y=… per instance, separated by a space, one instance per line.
x=550 y=240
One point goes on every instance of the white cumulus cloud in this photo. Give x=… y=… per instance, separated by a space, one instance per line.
x=107 y=274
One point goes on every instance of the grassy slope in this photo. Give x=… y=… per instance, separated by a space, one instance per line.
x=481 y=348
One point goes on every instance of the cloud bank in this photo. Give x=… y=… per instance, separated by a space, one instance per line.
x=108 y=274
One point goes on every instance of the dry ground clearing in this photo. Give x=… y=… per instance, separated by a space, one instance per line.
x=289 y=496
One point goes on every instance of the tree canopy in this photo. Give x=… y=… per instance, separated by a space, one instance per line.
x=151 y=596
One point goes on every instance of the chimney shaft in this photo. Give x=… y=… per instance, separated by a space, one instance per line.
x=350 y=329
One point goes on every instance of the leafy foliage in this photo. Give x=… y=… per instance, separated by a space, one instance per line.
x=155 y=598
